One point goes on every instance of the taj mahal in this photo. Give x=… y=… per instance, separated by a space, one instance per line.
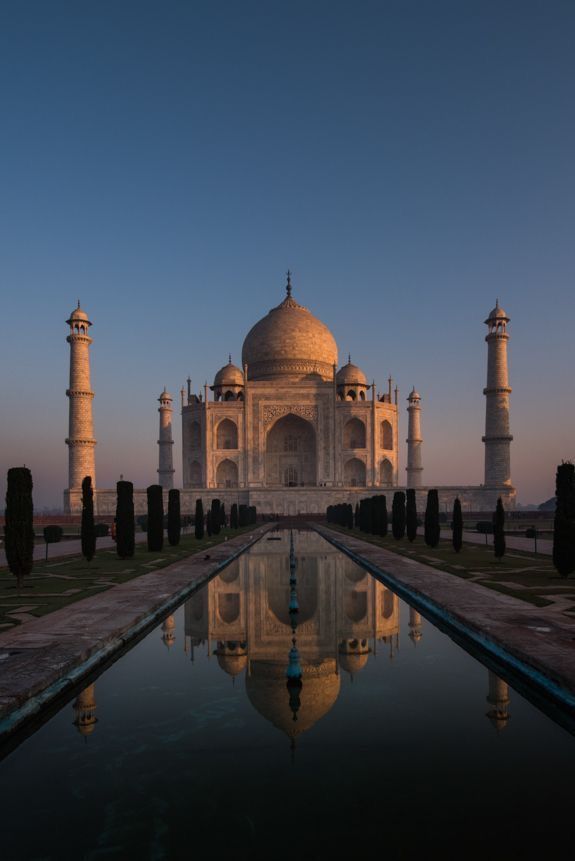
x=291 y=431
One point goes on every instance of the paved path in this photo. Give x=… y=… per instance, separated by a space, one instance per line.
x=513 y=542
x=41 y=659
x=542 y=639
x=72 y=547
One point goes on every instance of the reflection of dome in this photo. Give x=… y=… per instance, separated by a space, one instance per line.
x=233 y=665
x=289 y=342
x=351 y=375
x=267 y=691
x=229 y=375
x=353 y=663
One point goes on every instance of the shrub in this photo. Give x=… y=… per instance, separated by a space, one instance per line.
x=155 y=518
x=209 y=525
x=499 y=530
x=432 y=527
x=52 y=535
x=564 y=521
x=87 y=528
x=174 y=518
x=125 y=524
x=199 y=520
x=101 y=530
x=457 y=526
x=398 y=515
x=215 y=518
x=411 y=521
x=18 y=523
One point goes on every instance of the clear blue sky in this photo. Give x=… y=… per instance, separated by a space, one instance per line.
x=166 y=162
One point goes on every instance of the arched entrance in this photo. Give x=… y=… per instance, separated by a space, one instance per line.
x=291 y=453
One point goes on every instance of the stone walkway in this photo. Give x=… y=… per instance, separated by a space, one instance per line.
x=541 y=639
x=513 y=542
x=72 y=547
x=41 y=659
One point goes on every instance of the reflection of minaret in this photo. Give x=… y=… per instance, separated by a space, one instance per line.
x=166 y=464
x=85 y=711
x=498 y=698
x=414 y=466
x=169 y=631
x=415 y=623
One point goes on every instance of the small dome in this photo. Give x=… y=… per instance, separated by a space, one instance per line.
x=413 y=395
x=350 y=375
x=229 y=375
x=497 y=313
x=78 y=316
x=165 y=396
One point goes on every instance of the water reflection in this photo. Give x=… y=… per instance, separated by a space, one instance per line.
x=342 y=615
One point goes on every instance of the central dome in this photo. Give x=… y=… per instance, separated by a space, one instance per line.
x=289 y=342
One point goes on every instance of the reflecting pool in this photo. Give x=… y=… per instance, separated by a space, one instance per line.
x=390 y=738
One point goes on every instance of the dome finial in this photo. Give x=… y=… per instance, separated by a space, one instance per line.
x=229 y=358
x=78 y=303
x=497 y=303
x=349 y=358
x=288 y=285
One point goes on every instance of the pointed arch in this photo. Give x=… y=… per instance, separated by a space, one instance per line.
x=195 y=474
x=227 y=474
x=386 y=435
x=386 y=472
x=354 y=473
x=227 y=434
x=195 y=435
x=354 y=434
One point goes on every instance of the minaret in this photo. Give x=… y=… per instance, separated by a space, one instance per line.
x=415 y=625
x=497 y=438
x=80 y=442
x=414 y=468
x=166 y=463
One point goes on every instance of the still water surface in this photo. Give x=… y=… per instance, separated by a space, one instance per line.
x=402 y=744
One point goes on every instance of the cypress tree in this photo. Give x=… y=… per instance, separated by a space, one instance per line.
x=155 y=518
x=243 y=515
x=356 y=516
x=411 y=514
x=174 y=517
x=234 y=516
x=432 y=527
x=499 y=530
x=362 y=515
x=125 y=524
x=457 y=527
x=564 y=522
x=398 y=515
x=88 y=527
x=209 y=526
x=199 y=520
x=18 y=523
x=349 y=519
x=215 y=518
x=223 y=518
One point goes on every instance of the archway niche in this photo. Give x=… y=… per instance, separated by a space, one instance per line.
x=354 y=434
x=227 y=474
x=196 y=435
x=227 y=434
x=229 y=607
x=386 y=435
x=386 y=473
x=291 y=459
x=195 y=474
x=354 y=473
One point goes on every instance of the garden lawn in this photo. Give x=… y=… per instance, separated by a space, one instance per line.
x=523 y=575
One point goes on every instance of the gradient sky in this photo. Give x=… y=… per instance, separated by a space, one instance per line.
x=166 y=162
